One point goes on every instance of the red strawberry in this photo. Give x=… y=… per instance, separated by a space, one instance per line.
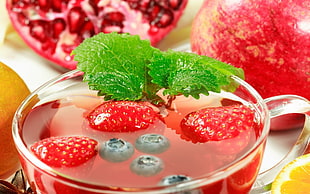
x=217 y=123
x=65 y=151
x=122 y=116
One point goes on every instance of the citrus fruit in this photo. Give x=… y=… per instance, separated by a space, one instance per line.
x=294 y=178
x=13 y=90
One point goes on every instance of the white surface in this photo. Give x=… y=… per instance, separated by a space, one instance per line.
x=31 y=67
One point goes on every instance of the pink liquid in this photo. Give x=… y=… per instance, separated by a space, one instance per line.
x=66 y=117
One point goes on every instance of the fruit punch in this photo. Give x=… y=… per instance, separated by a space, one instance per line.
x=131 y=145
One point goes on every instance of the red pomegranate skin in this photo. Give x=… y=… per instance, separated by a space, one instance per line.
x=270 y=40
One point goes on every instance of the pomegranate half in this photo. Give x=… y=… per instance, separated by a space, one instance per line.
x=53 y=28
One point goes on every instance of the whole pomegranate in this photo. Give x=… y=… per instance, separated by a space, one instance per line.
x=53 y=28
x=270 y=40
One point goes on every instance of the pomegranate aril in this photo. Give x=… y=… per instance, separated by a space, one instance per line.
x=56 y=5
x=146 y=5
x=15 y=1
x=171 y=4
x=76 y=19
x=154 y=13
x=164 y=19
x=87 y=30
x=153 y=30
x=115 y=17
x=133 y=5
x=49 y=46
x=164 y=3
x=22 y=19
x=44 y=5
x=19 y=4
x=175 y=4
x=39 y=30
x=58 y=26
x=113 y=22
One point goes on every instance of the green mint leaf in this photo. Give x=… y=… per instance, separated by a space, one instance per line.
x=190 y=74
x=124 y=67
x=115 y=65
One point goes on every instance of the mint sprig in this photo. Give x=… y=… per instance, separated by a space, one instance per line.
x=115 y=65
x=190 y=74
x=124 y=67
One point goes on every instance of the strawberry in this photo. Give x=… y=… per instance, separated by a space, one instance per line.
x=217 y=123
x=65 y=151
x=122 y=116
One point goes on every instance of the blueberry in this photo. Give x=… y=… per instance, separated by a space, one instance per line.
x=116 y=150
x=152 y=143
x=146 y=165
x=174 y=179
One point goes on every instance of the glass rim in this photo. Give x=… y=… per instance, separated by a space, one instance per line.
x=195 y=183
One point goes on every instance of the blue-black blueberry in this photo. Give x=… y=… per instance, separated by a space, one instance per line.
x=116 y=150
x=152 y=143
x=147 y=165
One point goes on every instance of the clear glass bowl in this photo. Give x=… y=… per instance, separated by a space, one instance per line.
x=237 y=177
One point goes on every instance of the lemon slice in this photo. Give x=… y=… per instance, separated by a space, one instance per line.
x=294 y=178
